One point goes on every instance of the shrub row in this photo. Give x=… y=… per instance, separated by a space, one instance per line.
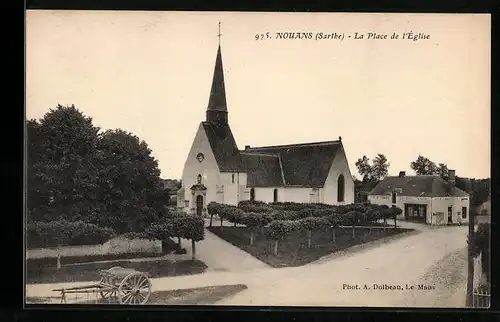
x=66 y=233
x=181 y=226
x=338 y=215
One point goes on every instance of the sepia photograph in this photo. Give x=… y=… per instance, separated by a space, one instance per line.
x=257 y=159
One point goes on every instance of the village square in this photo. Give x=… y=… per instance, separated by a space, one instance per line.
x=285 y=224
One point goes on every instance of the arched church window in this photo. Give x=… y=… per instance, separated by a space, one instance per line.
x=275 y=195
x=198 y=180
x=340 y=188
x=252 y=194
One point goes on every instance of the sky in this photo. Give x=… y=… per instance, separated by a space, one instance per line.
x=150 y=73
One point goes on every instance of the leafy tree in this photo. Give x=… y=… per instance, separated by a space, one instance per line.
x=442 y=171
x=76 y=173
x=371 y=173
x=364 y=168
x=376 y=171
x=129 y=183
x=478 y=189
x=380 y=167
x=424 y=166
x=61 y=175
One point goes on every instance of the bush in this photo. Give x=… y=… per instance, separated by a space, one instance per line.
x=252 y=220
x=284 y=215
x=66 y=233
x=280 y=228
x=314 y=223
x=181 y=226
x=247 y=207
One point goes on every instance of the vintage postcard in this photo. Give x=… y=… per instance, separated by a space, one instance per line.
x=258 y=159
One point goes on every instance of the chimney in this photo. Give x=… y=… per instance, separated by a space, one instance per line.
x=247 y=147
x=402 y=174
x=451 y=180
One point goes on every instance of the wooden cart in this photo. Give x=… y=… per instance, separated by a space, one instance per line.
x=117 y=285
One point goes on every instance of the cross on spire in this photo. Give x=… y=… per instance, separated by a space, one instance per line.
x=219 y=34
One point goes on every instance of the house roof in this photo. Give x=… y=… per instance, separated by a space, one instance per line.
x=224 y=147
x=263 y=170
x=306 y=164
x=417 y=186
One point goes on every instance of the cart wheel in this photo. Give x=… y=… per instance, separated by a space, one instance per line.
x=134 y=289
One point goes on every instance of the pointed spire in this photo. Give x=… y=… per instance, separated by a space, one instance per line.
x=217 y=101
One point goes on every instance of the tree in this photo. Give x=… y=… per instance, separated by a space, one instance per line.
x=442 y=171
x=423 y=166
x=380 y=167
x=61 y=175
x=76 y=173
x=371 y=174
x=129 y=183
x=364 y=168
x=376 y=171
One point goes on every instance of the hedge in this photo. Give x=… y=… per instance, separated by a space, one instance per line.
x=66 y=233
x=358 y=213
x=186 y=226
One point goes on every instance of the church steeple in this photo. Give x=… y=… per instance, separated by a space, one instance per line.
x=217 y=106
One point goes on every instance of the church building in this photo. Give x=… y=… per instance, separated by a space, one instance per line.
x=216 y=170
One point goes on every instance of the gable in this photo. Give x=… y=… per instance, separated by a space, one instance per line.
x=192 y=166
x=224 y=147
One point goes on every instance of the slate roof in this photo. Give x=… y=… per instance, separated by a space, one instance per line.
x=305 y=164
x=262 y=170
x=417 y=186
x=224 y=147
x=217 y=100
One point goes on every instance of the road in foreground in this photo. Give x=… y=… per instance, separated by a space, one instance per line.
x=432 y=259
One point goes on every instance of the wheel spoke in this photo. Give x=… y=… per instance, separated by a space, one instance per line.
x=125 y=297
x=142 y=283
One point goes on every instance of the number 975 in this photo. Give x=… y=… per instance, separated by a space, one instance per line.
x=262 y=36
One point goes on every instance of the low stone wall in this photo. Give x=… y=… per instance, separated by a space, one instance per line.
x=118 y=245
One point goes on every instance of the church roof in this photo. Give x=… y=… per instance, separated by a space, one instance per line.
x=417 y=186
x=217 y=100
x=224 y=147
x=305 y=164
x=263 y=170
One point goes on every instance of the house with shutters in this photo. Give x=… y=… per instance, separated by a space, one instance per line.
x=217 y=170
x=423 y=198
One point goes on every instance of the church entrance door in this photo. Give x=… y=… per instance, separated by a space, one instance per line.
x=199 y=205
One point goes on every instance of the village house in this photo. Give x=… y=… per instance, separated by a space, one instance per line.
x=216 y=170
x=423 y=198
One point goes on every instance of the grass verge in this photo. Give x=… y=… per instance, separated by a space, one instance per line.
x=90 y=271
x=193 y=296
